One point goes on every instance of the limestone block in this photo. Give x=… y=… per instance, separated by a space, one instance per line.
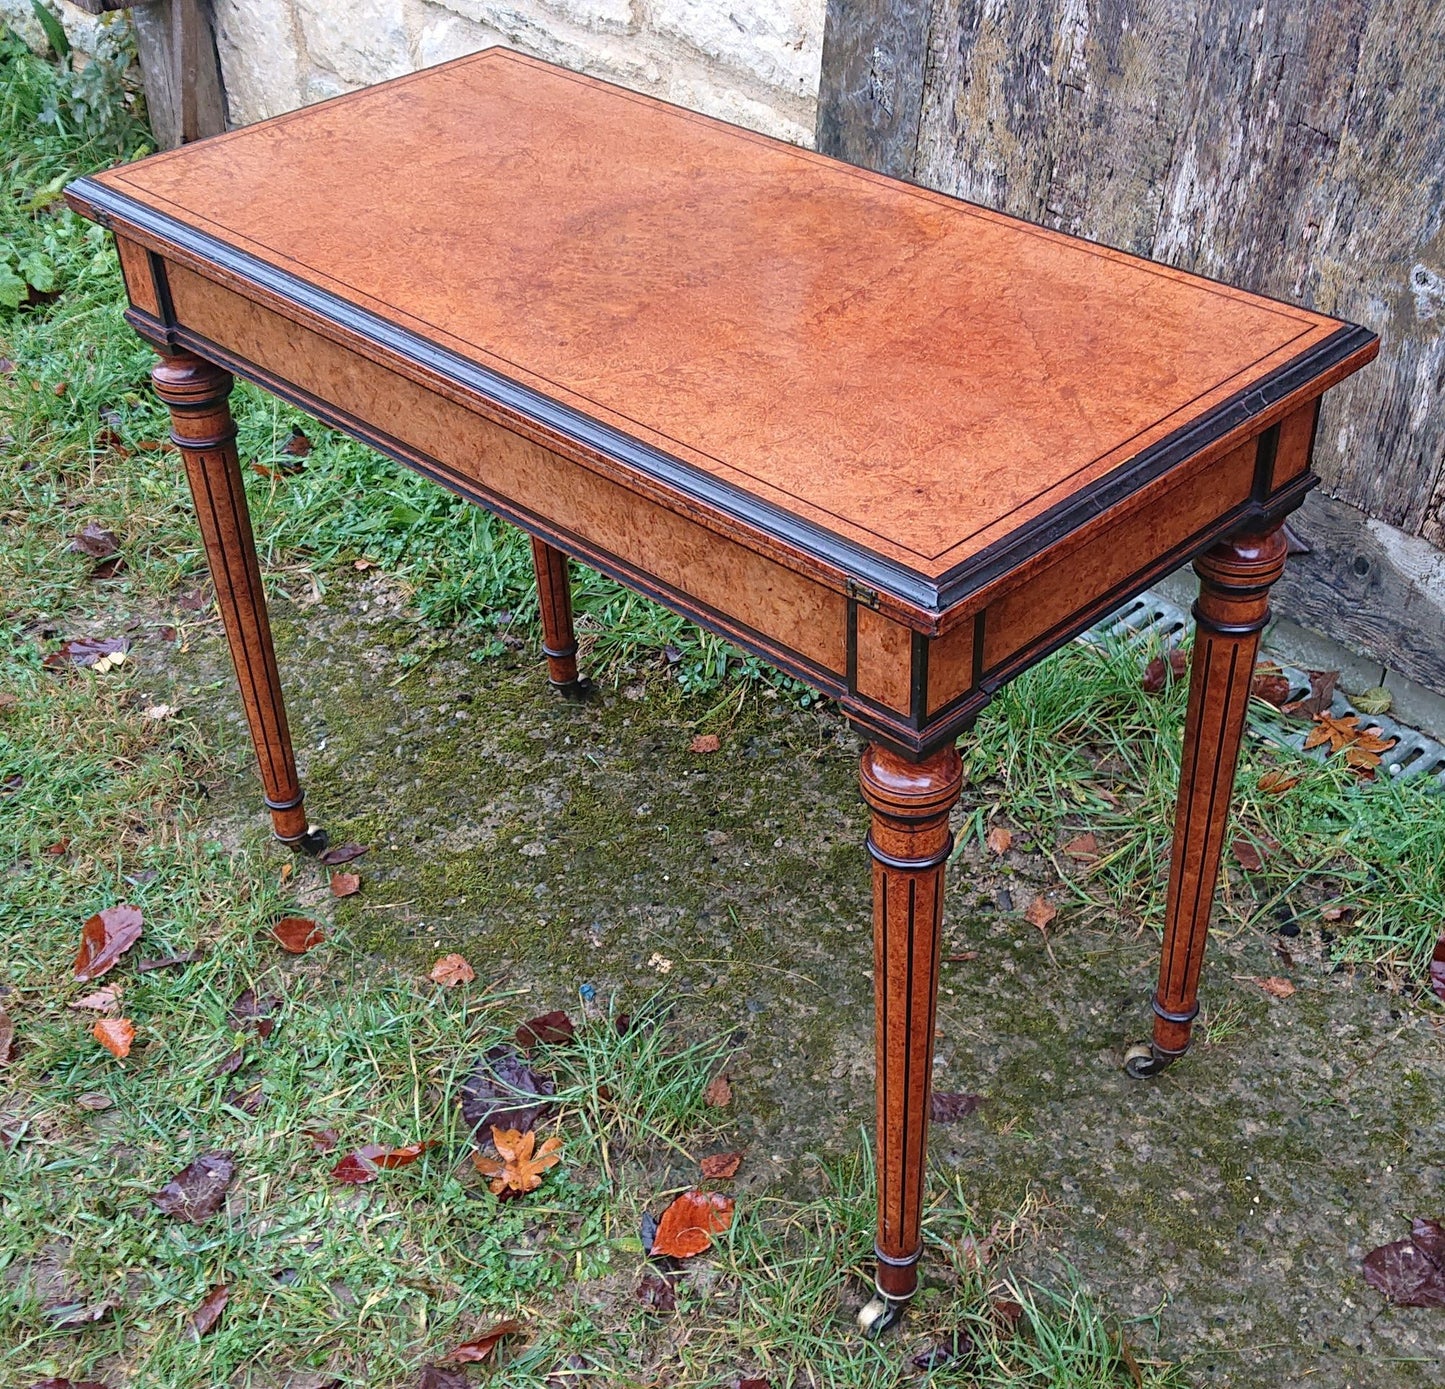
x=84 y=30
x=779 y=42
x=702 y=91
x=260 y=54
x=360 y=41
x=614 y=15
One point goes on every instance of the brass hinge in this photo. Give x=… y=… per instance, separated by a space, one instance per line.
x=861 y=593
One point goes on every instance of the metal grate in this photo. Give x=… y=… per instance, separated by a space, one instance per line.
x=1152 y=618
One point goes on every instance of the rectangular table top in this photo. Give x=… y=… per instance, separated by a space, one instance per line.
x=895 y=382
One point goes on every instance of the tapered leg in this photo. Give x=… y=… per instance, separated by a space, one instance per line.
x=559 y=641
x=201 y=427
x=1231 y=612
x=909 y=841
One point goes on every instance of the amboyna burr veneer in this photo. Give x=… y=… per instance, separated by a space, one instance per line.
x=898 y=445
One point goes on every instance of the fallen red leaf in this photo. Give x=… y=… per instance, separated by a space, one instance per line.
x=258 y=1014
x=479 y=1348
x=547 y=1030
x=721 y=1166
x=115 y=1035
x=451 y=970
x=755 y=1384
x=1162 y=671
x=1271 y=685
x=209 y=1312
x=689 y=1223
x=1411 y=1272
x=1248 y=857
x=82 y=651
x=322 y=1140
x=705 y=742
x=196 y=1192
x=297 y=934
x=105 y=938
x=719 y=1093
x=367 y=1162
x=61 y=846
x=345 y=884
x=68 y=1384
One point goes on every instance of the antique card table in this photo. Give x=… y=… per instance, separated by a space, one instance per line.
x=900 y=446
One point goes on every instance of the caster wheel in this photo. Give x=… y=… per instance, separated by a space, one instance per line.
x=577 y=691
x=1143 y=1061
x=880 y=1315
x=312 y=843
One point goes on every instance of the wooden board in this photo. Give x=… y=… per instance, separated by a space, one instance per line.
x=903 y=378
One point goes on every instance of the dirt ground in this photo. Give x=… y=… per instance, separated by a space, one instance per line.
x=1228 y=1202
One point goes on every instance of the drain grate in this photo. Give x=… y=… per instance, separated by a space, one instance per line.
x=1152 y=618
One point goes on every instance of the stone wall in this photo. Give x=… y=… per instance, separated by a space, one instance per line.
x=754 y=62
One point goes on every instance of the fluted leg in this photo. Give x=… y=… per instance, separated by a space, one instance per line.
x=559 y=641
x=1231 y=612
x=909 y=841
x=202 y=428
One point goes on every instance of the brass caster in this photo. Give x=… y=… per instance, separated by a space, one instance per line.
x=1145 y=1060
x=312 y=843
x=880 y=1315
x=577 y=691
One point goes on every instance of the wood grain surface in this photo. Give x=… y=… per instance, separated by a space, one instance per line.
x=912 y=374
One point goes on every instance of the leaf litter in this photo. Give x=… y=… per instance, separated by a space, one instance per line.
x=104 y=938
x=196 y=1192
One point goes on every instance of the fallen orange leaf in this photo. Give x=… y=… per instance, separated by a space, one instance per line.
x=688 y=1225
x=522 y=1164
x=473 y=1352
x=115 y=1035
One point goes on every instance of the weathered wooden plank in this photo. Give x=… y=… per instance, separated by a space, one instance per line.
x=1298 y=150
x=872 y=84
x=1368 y=586
x=176 y=44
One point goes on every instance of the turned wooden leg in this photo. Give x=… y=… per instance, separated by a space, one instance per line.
x=202 y=428
x=559 y=641
x=909 y=841
x=1231 y=612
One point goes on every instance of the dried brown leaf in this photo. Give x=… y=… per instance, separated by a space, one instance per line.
x=85 y=651
x=550 y=1029
x=7 y=1036
x=480 y=1348
x=451 y=970
x=719 y=1093
x=322 y=1140
x=1276 y=782
x=720 y=1166
x=167 y=961
x=115 y=1035
x=1411 y=1272
x=948 y=1108
x=1247 y=855
x=341 y=853
x=196 y=1192
x=94 y=540
x=94 y=1100
x=1271 y=685
x=1164 y=670
x=297 y=934
x=101 y=1001
x=1040 y=913
x=689 y=1223
x=657 y=1292
x=1000 y=839
x=705 y=743
x=209 y=1312
x=1083 y=847
x=345 y=884
x=105 y=938
x=1437 y=972
x=366 y=1163
x=1276 y=987
x=503 y=1091
x=434 y=1377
